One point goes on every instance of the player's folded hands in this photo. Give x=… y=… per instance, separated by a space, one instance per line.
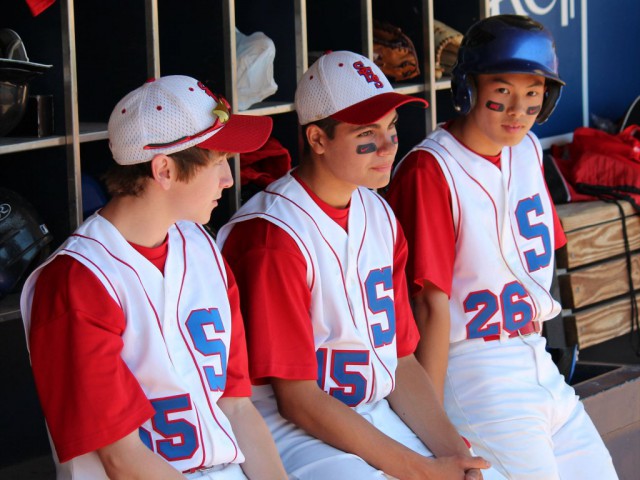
x=455 y=467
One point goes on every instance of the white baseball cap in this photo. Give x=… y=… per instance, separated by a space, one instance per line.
x=173 y=113
x=347 y=87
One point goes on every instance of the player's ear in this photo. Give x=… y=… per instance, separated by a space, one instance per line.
x=317 y=138
x=163 y=170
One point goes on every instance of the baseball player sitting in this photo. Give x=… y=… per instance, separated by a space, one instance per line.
x=482 y=231
x=134 y=327
x=319 y=260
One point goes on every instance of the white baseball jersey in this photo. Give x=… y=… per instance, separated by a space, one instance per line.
x=175 y=343
x=507 y=397
x=352 y=313
x=350 y=279
x=504 y=228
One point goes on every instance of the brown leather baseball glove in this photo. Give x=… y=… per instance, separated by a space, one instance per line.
x=394 y=52
x=446 y=42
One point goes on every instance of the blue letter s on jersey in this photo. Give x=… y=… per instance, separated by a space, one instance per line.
x=529 y=231
x=209 y=347
x=384 y=304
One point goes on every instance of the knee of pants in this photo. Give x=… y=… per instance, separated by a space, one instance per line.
x=342 y=465
x=517 y=448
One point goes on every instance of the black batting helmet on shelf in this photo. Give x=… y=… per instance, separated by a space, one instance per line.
x=16 y=71
x=24 y=240
x=506 y=44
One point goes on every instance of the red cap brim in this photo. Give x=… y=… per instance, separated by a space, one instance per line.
x=241 y=134
x=374 y=108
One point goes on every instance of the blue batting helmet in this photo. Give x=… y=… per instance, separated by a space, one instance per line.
x=506 y=44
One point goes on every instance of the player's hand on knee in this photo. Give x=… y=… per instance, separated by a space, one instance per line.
x=473 y=474
x=473 y=466
x=463 y=467
x=454 y=467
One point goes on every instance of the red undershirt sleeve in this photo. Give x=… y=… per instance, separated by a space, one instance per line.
x=275 y=301
x=238 y=383
x=559 y=237
x=420 y=197
x=88 y=395
x=407 y=335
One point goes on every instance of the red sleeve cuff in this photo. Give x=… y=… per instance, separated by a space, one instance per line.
x=101 y=439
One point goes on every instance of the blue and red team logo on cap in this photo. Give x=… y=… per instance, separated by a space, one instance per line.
x=368 y=74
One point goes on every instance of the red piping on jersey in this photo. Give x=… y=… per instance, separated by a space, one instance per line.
x=546 y=291
x=362 y=299
x=101 y=271
x=223 y=274
x=184 y=273
x=373 y=382
x=385 y=205
x=435 y=153
x=495 y=216
x=195 y=362
x=362 y=295
x=344 y=285
x=136 y=274
x=313 y=272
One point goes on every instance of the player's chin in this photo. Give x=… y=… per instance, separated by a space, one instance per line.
x=513 y=139
x=378 y=179
x=203 y=217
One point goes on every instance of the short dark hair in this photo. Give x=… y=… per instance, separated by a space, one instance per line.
x=327 y=125
x=122 y=180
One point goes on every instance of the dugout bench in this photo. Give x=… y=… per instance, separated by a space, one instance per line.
x=599 y=280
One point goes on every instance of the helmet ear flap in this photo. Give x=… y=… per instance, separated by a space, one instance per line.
x=463 y=89
x=551 y=97
x=473 y=91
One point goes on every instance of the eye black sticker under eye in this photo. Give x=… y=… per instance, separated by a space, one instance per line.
x=534 y=110
x=394 y=139
x=495 y=106
x=366 y=148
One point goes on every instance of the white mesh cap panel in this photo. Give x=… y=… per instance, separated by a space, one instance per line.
x=337 y=80
x=159 y=112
